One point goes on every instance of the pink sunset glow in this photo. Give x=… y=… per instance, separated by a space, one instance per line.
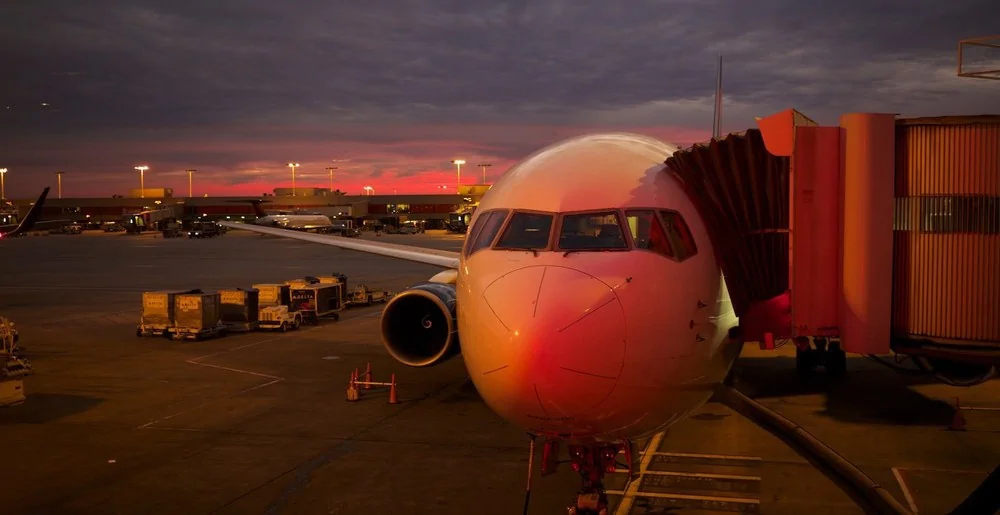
x=239 y=161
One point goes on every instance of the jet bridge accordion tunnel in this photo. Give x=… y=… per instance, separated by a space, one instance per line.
x=883 y=232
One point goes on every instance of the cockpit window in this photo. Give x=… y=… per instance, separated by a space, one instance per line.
x=647 y=232
x=487 y=227
x=591 y=231
x=527 y=231
x=679 y=235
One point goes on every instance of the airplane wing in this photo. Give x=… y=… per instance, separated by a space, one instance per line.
x=442 y=258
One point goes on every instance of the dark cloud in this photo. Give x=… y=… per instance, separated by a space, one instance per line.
x=229 y=78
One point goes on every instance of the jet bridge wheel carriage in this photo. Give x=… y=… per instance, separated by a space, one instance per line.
x=820 y=352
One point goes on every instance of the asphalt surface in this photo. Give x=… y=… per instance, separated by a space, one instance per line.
x=258 y=423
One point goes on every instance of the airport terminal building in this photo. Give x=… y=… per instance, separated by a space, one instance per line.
x=160 y=203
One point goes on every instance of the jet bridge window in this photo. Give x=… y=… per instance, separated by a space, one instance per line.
x=679 y=235
x=526 y=231
x=647 y=232
x=591 y=231
x=485 y=231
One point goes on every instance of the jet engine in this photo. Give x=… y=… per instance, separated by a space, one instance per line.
x=419 y=327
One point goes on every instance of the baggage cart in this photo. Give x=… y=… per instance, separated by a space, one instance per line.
x=13 y=368
x=363 y=295
x=157 y=315
x=196 y=317
x=272 y=295
x=317 y=301
x=239 y=309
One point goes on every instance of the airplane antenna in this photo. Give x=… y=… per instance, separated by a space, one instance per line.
x=717 y=114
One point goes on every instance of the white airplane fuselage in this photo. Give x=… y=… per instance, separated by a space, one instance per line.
x=295 y=221
x=594 y=345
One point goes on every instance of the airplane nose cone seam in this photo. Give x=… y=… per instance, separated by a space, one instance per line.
x=495 y=314
x=588 y=313
x=538 y=293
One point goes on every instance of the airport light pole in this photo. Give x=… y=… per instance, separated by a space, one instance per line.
x=142 y=180
x=484 y=166
x=59 y=184
x=331 y=169
x=190 y=172
x=3 y=191
x=293 y=166
x=458 y=164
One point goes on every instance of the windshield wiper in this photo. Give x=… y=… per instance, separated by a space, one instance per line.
x=533 y=251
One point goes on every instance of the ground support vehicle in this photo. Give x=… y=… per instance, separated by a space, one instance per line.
x=14 y=368
x=204 y=230
x=171 y=230
x=278 y=318
x=315 y=301
x=362 y=295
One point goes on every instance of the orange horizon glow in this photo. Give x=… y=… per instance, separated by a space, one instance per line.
x=406 y=161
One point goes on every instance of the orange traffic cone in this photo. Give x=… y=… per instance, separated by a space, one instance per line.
x=958 y=421
x=393 y=399
x=352 y=389
x=368 y=376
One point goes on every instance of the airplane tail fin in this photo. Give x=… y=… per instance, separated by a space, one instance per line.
x=33 y=214
x=717 y=114
x=258 y=209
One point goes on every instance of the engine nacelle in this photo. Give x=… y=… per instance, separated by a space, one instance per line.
x=419 y=325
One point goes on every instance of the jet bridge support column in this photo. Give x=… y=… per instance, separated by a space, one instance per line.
x=841 y=208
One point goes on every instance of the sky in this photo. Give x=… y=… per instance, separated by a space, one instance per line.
x=390 y=92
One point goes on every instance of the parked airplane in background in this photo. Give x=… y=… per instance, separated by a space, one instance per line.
x=588 y=300
x=30 y=220
x=291 y=220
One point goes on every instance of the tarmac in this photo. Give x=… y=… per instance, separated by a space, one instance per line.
x=259 y=422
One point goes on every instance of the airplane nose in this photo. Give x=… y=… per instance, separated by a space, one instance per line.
x=566 y=332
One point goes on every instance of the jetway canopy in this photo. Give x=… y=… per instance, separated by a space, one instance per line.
x=741 y=191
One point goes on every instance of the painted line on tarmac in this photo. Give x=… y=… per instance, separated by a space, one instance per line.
x=625 y=506
x=272 y=379
x=196 y=361
x=906 y=491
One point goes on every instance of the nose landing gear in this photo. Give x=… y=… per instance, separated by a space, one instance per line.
x=592 y=462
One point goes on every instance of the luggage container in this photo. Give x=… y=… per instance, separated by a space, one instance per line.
x=196 y=316
x=315 y=301
x=158 y=312
x=272 y=295
x=238 y=309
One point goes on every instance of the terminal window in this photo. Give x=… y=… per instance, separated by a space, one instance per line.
x=647 y=232
x=679 y=235
x=527 y=231
x=591 y=231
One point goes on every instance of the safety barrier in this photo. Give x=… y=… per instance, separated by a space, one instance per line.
x=356 y=384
